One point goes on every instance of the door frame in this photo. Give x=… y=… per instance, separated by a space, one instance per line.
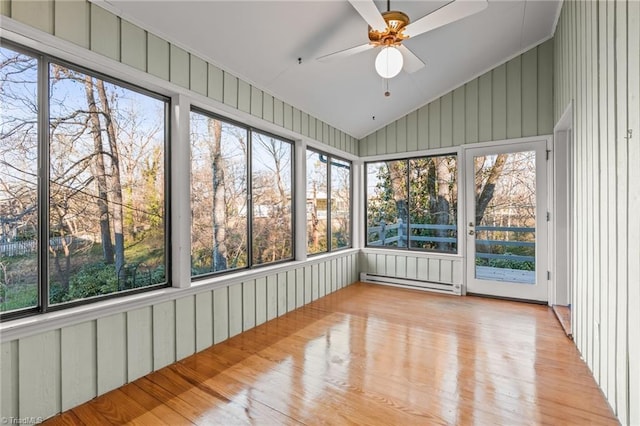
x=562 y=233
x=543 y=239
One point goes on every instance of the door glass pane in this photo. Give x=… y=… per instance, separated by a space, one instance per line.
x=505 y=217
x=18 y=181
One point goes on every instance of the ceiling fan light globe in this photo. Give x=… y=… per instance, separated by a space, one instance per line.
x=389 y=62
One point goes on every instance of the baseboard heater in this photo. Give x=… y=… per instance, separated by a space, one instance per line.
x=410 y=283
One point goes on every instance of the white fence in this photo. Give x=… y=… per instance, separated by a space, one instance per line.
x=22 y=248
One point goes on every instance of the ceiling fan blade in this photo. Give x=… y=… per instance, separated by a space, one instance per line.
x=346 y=52
x=368 y=10
x=411 y=62
x=453 y=11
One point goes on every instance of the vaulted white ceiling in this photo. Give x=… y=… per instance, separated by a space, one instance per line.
x=261 y=41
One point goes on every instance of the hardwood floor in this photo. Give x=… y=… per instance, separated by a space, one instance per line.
x=372 y=354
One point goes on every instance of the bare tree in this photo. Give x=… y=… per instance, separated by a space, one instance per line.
x=99 y=172
x=486 y=180
x=219 y=202
x=116 y=185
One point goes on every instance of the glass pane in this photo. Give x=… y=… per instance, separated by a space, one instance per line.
x=506 y=217
x=106 y=197
x=433 y=195
x=340 y=204
x=272 y=232
x=387 y=209
x=218 y=195
x=317 y=178
x=18 y=181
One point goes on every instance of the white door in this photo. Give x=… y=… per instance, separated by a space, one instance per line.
x=506 y=220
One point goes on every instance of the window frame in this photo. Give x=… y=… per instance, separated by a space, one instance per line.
x=250 y=212
x=408 y=248
x=44 y=62
x=330 y=248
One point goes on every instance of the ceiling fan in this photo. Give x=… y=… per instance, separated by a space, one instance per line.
x=388 y=30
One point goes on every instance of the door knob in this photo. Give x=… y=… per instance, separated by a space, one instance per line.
x=471 y=232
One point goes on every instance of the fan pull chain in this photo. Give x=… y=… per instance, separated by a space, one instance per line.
x=387 y=93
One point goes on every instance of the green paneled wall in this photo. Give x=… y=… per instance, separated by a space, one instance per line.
x=59 y=369
x=97 y=29
x=597 y=51
x=513 y=100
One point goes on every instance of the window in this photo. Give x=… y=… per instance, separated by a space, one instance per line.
x=241 y=196
x=412 y=203
x=96 y=222
x=328 y=202
x=218 y=195
x=272 y=219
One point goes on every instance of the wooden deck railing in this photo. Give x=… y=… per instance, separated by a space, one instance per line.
x=394 y=235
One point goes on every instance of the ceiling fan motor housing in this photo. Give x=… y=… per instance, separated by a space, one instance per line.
x=392 y=35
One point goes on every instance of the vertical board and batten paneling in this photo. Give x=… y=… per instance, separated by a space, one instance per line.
x=261 y=300
x=446 y=120
x=105 y=33
x=423 y=127
x=300 y=287
x=158 y=57
x=139 y=343
x=529 y=87
x=282 y=293
x=272 y=297
x=179 y=66
x=622 y=216
x=596 y=49
x=9 y=379
x=244 y=96
x=39 y=15
x=235 y=309
x=204 y=320
x=134 y=46
x=499 y=102
x=458 y=120
x=471 y=111
x=198 y=75
x=164 y=334
x=248 y=304
x=39 y=375
x=71 y=23
x=633 y=66
x=78 y=368
x=436 y=269
x=220 y=314
x=291 y=290
x=111 y=352
x=308 y=286
x=513 y=100
x=185 y=327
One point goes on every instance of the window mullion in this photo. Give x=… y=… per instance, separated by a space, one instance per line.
x=249 y=198
x=43 y=183
x=329 y=205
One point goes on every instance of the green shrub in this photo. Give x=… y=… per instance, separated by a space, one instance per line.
x=92 y=280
